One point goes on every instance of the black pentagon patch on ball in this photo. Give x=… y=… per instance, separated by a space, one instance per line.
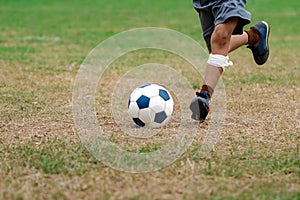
x=160 y=117
x=138 y=122
x=164 y=94
x=143 y=102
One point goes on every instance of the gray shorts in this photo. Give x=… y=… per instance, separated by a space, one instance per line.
x=214 y=12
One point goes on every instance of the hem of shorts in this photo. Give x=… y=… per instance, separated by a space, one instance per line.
x=239 y=28
x=245 y=19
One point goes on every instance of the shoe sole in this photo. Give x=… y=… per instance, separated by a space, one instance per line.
x=267 y=35
x=267 y=41
x=268 y=31
x=199 y=110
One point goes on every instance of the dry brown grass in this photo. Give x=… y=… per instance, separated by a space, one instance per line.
x=41 y=155
x=258 y=148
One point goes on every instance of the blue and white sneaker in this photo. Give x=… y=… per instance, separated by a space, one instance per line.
x=200 y=106
x=260 y=50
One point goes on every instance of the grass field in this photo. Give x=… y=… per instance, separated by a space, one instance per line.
x=43 y=43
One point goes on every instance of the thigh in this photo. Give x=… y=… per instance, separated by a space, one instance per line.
x=227 y=27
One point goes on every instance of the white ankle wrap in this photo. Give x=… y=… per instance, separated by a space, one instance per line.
x=218 y=60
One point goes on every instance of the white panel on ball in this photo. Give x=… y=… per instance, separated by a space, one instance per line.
x=146 y=115
x=169 y=107
x=157 y=104
x=151 y=90
x=133 y=110
x=136 y=94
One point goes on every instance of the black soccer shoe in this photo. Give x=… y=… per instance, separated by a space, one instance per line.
x=200 y=106
x=260 y=50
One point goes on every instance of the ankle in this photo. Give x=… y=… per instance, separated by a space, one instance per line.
x=209 y=90
x=253 y=37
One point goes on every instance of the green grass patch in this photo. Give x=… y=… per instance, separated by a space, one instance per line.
x=250 y=162
x=51 y=157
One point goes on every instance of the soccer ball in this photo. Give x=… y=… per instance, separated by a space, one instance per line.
x=150 y=105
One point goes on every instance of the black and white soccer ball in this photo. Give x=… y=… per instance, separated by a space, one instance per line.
x=150 y=105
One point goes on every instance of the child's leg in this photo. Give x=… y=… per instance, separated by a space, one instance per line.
x=248 y=37
x=237 y=41
x=223 y=42
x=220 y=39
x=220 y=45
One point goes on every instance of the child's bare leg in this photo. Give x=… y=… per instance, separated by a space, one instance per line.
x=220 y=45
x=248 y=37
x=237 y=41
x=220 y=39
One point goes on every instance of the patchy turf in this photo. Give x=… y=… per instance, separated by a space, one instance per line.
x=42 y=45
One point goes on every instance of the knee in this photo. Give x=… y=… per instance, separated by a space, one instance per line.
x=220 y=36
